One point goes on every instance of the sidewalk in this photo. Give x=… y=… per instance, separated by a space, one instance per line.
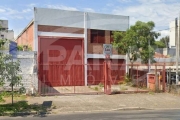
x=90 y=103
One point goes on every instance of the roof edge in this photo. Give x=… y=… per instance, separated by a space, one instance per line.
x=29 y=24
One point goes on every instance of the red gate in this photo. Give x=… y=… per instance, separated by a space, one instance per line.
x=56 y=59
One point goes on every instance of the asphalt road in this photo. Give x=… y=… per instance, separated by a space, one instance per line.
x=115 y=115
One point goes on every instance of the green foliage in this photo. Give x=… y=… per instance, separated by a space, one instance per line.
x=22 y=90
x=101 y=85
x=2 y=42
x=135 y=41
x=1 y=99
x=21 y=106
x=5 y=94
x=20 y=48
x=160 y=44
x=8 y=69
x=96 y=88
x=127 y=78
x=165 y=40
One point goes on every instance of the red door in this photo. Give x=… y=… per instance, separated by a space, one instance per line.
x=61 y=61
x=96 y=71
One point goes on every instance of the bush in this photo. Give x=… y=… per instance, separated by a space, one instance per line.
x=96 y=88
x=101 y=85
x=127 y=78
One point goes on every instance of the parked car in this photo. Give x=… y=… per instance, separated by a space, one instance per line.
x=173 y=78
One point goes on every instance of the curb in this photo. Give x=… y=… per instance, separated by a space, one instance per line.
x=166 y=109
x=91 y=111
x=24 y=113
x=131 y=108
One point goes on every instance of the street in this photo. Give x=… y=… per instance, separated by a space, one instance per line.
x=112 y=115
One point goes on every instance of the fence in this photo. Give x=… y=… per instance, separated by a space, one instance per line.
x=140 y=79
x=108 y=78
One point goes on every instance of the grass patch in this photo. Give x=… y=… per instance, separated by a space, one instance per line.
x=151 y=92
x=101 y=85
x=96 y=88
x=20 y=106
x=123 y=88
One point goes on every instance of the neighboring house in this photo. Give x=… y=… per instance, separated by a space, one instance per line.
x=159 y=55
x=4 y=32
x=63 y=38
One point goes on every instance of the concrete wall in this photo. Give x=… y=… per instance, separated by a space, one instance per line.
x=28 y=73
x=4 y=24
x=28 y=64
x=5 y=33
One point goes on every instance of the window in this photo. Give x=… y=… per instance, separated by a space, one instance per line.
x=2 y=36
x=97 y=36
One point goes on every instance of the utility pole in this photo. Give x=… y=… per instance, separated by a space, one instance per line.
x=177 y=47
x=149 y=60
x=177 y=79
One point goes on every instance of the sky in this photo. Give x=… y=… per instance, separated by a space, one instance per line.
x=20 y=12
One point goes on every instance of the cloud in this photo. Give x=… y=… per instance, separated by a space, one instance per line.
x=62 y=7
x=163 y=33
x=161 y=13
x=26 y=10
x=124 y=1
x=2 y=10
x=150 y=1
x=32 y=5
x=10 y=13
x=109 y=4
x=89 y=10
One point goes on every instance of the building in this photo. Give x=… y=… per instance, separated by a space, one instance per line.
x=69 y=45
x=172 y=41
x=5 y=33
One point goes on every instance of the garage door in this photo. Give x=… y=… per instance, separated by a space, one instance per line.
x=96 y=71
x=61 y=61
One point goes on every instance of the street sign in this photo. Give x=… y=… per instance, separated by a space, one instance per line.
x=107 y=49
x=13 y=49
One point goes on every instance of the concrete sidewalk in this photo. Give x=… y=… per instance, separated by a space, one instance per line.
x=90 y=103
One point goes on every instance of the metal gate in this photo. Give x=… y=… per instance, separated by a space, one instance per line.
x=57 y=60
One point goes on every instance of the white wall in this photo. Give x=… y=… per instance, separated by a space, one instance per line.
x=172 y=34
x=29 y=77
x=107 y=22
x=27 y=63
x=8 y=34
x=57 y=17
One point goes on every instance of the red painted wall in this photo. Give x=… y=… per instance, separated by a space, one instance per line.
x=27 y=37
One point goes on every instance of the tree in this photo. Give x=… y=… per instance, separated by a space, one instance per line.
x=160 y=44
x=165 y=40
x=8 y=69
x=137 y=42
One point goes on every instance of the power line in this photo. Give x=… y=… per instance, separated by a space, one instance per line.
x=164 y=29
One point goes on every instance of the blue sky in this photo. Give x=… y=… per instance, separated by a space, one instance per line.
x=20 y=12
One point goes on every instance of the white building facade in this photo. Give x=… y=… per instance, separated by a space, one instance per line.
x=5 y=33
